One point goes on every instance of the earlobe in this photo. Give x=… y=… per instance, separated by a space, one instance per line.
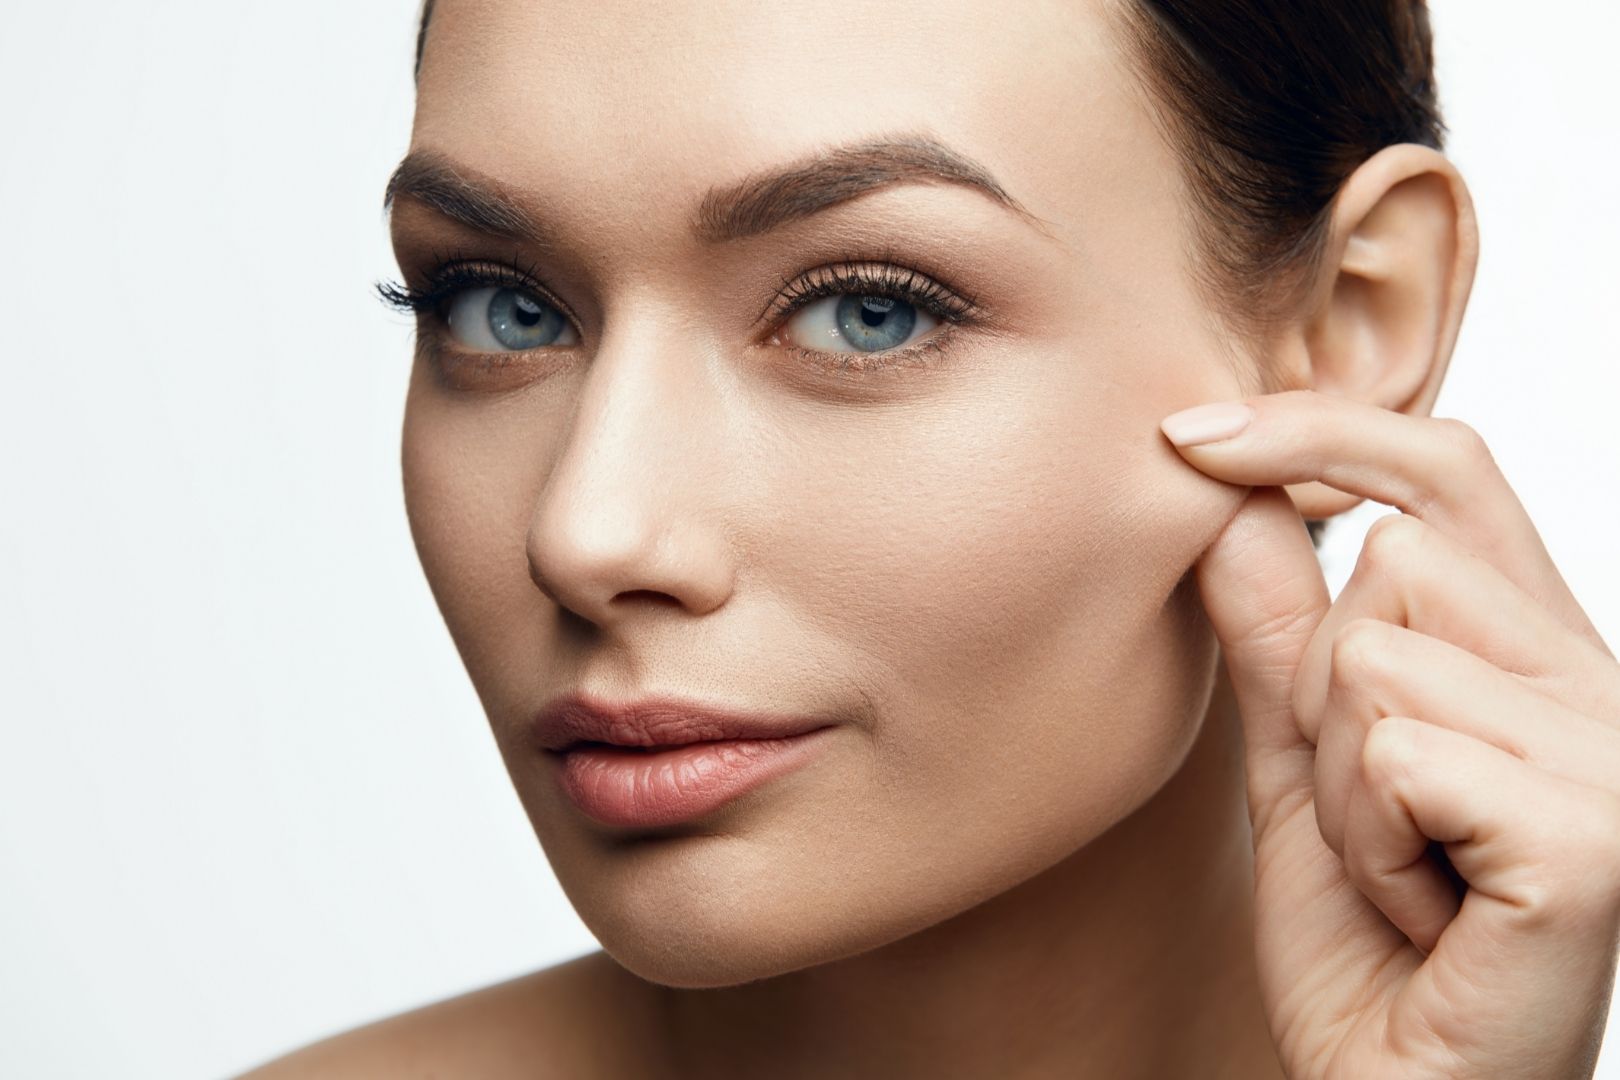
x=1397 y=268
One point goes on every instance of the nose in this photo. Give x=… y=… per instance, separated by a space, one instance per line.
x=630 y=513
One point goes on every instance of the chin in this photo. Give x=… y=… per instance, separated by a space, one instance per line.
x=727 y=945
x=702 y=970
x=707 y=959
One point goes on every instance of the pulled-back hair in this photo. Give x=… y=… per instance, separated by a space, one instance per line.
x=1270 y=105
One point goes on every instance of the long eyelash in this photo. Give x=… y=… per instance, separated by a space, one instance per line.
x=868 y=278
x=849 y=276
x=884 y=275
x=451 y=275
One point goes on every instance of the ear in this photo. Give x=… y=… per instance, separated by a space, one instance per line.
x=1383 y=314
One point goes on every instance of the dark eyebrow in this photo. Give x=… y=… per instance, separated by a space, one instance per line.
x=773 y=198
x=756 y=204
x=460 y=195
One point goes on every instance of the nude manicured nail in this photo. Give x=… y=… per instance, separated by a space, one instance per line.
x=1207 y=423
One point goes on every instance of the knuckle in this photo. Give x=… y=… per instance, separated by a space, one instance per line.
x=1358 y=652
x=1466 y=445
x=1392 y=543
x=1455 y=452
x=1540 y=905
x=1386 y=749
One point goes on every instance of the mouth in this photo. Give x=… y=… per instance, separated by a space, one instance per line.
x=664 y=760
x=644 y=787
x=575 y=720
x=588 y=744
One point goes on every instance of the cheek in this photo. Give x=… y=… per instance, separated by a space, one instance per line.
x=1001 y=577
x=469 y=485
x=994 y=572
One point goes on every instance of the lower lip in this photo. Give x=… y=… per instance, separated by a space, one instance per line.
x=665 y=787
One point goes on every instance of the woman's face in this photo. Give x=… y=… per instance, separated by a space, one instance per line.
x=975 y=558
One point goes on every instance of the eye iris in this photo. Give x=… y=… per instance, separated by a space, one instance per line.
x=872 y=323
x=519 y=321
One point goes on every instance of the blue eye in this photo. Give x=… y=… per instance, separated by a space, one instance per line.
x=851 y=316
x=860 y=318
x=853 y=322
x=498 y=319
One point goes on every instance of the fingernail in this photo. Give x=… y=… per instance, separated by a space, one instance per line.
x=1207 y=423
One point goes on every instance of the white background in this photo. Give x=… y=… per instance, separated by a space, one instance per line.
x=247 y=796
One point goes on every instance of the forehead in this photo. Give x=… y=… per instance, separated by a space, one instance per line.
x=646 y=106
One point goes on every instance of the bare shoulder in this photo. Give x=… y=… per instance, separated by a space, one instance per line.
x=568 y=1020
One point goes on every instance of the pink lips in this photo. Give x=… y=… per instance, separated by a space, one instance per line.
x=661 y=761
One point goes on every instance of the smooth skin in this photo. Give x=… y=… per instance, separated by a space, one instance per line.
x=1057 y=835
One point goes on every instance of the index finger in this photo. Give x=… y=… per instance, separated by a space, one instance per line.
x=1436 y=469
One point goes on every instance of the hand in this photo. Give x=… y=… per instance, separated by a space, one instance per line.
x=1433 y=759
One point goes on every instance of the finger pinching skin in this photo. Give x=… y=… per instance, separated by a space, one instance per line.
x=1432 y=758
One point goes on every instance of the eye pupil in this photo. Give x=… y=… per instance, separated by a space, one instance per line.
x=875 y=323
x=528 y=312
x=874 y=309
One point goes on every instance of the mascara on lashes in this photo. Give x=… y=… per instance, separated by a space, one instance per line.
x=890 y=279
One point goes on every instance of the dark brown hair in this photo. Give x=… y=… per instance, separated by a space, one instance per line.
x=421 y=32
x=1270 y=106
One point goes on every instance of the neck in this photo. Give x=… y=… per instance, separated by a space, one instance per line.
x=1132 y=957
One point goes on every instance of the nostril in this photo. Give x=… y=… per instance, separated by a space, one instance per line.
x=653 y=596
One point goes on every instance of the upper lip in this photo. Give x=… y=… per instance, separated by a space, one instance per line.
x=579 y=717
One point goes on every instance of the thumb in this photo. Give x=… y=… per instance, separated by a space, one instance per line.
x=1263 y=590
